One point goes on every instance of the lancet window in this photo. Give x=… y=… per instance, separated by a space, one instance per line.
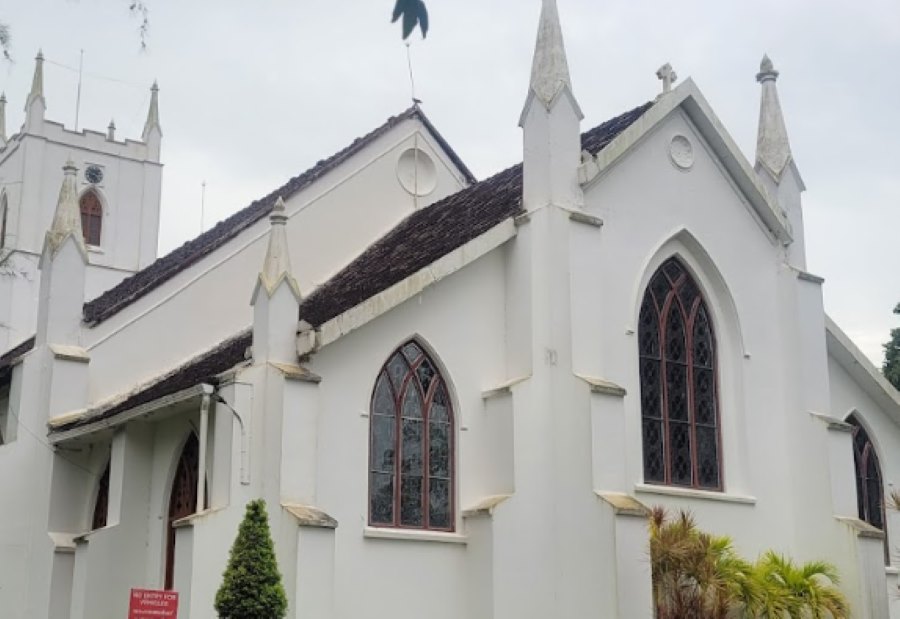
x=411 y=450
x=183 y=499
x=91 y=217
x=678 y=375
x=869 y=488
x=101 y=504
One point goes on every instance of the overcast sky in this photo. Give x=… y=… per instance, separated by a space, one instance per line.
x=253 y=93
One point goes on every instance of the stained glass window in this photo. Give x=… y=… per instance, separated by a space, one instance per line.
x=101 y=505
x=679 y=403
x=869 y=489
x=91 y=217
x=411 y=463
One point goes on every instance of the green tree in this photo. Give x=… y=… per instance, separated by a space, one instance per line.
x=251 y=586
x=891 y=367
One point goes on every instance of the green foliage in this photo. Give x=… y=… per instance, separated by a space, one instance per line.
x=413 y=13
x=699 y=575
x=251 y=588
x=891 y=367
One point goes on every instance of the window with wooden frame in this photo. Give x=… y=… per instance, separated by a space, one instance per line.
x=91 y=217
x=678 y=374
x=182 y=499
x=101 y=504
x=411 y=445
x=869 y=488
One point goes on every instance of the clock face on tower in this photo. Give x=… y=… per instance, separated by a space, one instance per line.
x=93 y=174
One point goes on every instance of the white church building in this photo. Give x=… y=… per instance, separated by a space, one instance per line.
x=459 y=406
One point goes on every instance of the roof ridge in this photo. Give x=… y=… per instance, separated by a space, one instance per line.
x=164 y=268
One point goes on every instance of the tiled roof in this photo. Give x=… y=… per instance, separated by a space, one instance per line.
x=435 y=231
x=10 y=357
x=201 y=369
x=417 y=241
x=156 y=274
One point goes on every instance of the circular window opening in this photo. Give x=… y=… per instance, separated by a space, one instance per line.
x=417 y=172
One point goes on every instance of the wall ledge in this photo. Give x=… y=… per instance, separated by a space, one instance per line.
x=604 y=387
x=414 y=535
x=308 y=516
x=486 y=506
x=624 y=504
x=861 y=528
x=690 y=493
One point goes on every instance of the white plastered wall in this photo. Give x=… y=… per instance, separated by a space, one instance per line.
x=331 y=222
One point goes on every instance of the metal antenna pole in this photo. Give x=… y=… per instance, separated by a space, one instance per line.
x=78 y=96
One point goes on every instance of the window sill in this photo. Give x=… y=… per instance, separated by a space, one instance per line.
x=413 y=535
x=690 y=493
x=94 y=249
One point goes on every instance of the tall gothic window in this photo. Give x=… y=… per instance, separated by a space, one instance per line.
x=3 y=217
x=183 y=499
x=411 y=462
x=869 y=489
x=679 y=400
x=101 y=505
x=91 y=217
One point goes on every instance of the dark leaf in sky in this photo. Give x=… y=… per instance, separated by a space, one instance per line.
x=423 y=18
x=413 y=13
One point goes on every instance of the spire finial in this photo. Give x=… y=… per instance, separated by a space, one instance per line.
x=67 y=219
x=550 y=68
x=153 y=112
x=766 y=70
x=773 y=149
x=111 y=130
x=37 y=81
x=277 y=264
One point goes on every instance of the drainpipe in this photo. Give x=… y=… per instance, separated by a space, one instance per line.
x=204 y=436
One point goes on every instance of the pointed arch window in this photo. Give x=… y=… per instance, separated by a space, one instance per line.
x=411 y=449
x=91 y=217
x=3 y=217
x=182 y=500
x=869 y=488
x=678 y=375
x=101 y=504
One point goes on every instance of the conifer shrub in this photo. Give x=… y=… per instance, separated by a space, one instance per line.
x=251 y=586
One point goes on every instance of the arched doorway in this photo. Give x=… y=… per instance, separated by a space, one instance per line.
x=183 y=499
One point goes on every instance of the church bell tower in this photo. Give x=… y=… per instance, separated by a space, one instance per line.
x=117 y=184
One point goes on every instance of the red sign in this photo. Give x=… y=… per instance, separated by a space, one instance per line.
x=149 y=604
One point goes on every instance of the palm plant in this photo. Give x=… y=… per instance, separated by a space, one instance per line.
x=696 y=574
x=807 y=590
x=701 y=576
